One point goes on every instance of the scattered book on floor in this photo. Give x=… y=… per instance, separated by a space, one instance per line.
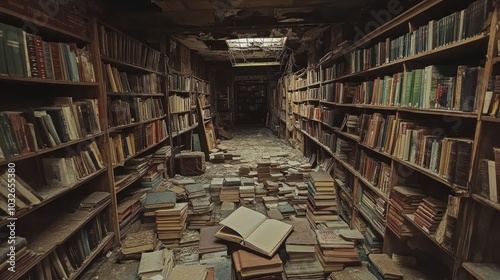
x=254 y=231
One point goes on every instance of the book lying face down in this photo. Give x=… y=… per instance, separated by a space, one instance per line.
x=254 y=231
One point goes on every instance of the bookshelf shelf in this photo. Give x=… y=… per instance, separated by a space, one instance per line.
x=181 y=112
x=482 y=271
x=369 y=219
x=44 y=27
x=345 y=190
x=140 y=152
x=131 y=181
x=373 y=188
x=135 y=94
x=375 y=151
x=30 y=80
x=486 y=202
x=127 y=66
x=48 y=150
x=352 y=137
x=411 y=219
x=45 y=244
x=439 y=112
x=179 y=133
x=118 y=128
x=490 y=119
x=179 y=91
x=50 y=194
x=103 y=244
x=427 y=172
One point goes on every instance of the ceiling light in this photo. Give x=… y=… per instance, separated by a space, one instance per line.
x=248 y=44
x=255 y=64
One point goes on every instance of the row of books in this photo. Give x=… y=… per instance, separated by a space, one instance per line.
x=206 y=113
x=333 y=72
x=492 y=97
x=27 y=55
x=117 y=81
x=70 y=257
x=338 y=92
x=437 y=33
x=489 y=177
x=374 y=208
x=118 y=46
x=313 y=76
x=375 y=171
x=449 y=157
x=25 y=195
x=141 y=137
x=377 y=131
x=179 y=82
x=201 y=86
x=298 y=96
x=65 y=171
x=22 y=132
x=123 y=112
x=179 y=103
x=183 y=121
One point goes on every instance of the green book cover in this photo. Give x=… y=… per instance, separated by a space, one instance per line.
x=417 y=87
x=14 y=51
x=385 y=93
x=160 y=198
x=47 y=119
x=408 y=89
x=3 y=59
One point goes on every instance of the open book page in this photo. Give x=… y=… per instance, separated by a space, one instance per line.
x=244 y=221
x=269 y=235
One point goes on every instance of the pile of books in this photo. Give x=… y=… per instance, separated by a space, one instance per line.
x=244 y=171
x=156 y=264
x=310 y=270
x=429 y=214
x=129 y=211
x=230 y=191
x=404 y=200
x=373 y=243
x=300 y=245
x=138 y=166
x=215 y=188
x=374 y=208
x=263 y=171
x=153 y=177
x=136 y=243
x=334 y=252
x=321 y=203
x=22 y=254
x=355 y=272
x=210 y=248
x=170 y=223
x=384 y=267
x=194 y=190
x=272 y=187
x=200 y=212
x=247 y=193
x=286 y=210
x=252 y=266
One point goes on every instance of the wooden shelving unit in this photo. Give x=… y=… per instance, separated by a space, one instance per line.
x=308 y=103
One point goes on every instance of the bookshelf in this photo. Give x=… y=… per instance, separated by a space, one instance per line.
x=251 y=100
x=359 y=109
x=50 y=132
x=204 y=104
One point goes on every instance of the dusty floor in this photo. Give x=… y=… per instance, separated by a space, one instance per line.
x=252 y=144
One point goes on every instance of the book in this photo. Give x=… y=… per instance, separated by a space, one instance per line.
x=140 y=241
x=253 y=230
x=251 y=265
x=208 y=243
x=160 y=200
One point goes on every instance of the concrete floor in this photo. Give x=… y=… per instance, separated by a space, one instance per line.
x=252 y=144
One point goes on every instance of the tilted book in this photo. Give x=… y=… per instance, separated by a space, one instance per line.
x=253 y=230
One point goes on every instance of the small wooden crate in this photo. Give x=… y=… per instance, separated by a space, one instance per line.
x=190 y=164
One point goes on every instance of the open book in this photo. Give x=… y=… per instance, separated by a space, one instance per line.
x=254 y=230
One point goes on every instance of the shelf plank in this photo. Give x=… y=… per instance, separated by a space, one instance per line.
x=50 y=194
x=179 y=91
x=135 y=94
x=48 y=150
x=483 y=271
x=486 y=202
x=30 y=80
x=490 y=119
x=181 y=112
x=140 y=152
x=427 y=172
x=103 y=244
x=179 y=133
x=44 y=244
x=118 y=128
x=126 y=65
x=131 y=181
x=411 y=219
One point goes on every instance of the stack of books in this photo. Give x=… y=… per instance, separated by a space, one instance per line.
x=374 y=208
x=286 y=210
x=230 y=191
x=321 y=203
x=272 y=187
x=429 y=214
x=200 y=212
x=138 y=166
x=189 y=238
x=194 y=190
x=271 y=202
x=244 y=171
x=373 y=243
x=210 y=247
x=263 y=171
x=247 y=193
x=252 y=266
x=334 y=252
x=310 y=270
x=383 y=267
x=155 y=201
x=136 y=243
x=129 y=211
x=158 y=264
x=152 y=178
x=404 y=200
x=300 y=245
x=189 y=272
x=170 y=223
x=215 y=189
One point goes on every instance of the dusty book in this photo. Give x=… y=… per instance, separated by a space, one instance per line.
x=253 y=230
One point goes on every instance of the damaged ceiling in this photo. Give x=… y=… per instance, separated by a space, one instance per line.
x=205 y=25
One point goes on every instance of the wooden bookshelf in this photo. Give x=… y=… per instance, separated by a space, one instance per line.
x=481 y=129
